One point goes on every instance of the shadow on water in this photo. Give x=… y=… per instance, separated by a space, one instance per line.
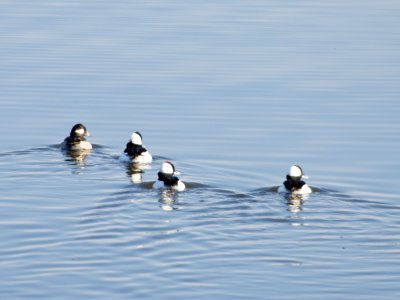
x=30 y=150
x=127 y=224
x=135 y=171
x=294 y=202
x=56 y=147
x=102 y=156
x=322 y=206
x=47 y=158
x=263 y=205
x=77 y=156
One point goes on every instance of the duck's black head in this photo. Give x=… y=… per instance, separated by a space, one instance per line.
x=79 y=130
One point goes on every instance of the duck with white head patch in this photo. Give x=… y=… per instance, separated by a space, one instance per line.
x=76 y=140
x=135 y=152
x=294 y=183
x=167 y=178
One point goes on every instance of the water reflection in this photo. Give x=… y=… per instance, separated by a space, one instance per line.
x=234 y=109
x=78 y=157
x=135 y=171
x=168 y=199
x=295 y=202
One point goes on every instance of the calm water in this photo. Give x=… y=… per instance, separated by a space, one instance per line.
x=234 y=93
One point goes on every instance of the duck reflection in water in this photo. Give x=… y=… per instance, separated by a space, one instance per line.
x=77 y=156
x=135 y=171
x=168 y=199
x=295 y=202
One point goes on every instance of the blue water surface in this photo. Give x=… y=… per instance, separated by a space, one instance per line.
x=233 y=93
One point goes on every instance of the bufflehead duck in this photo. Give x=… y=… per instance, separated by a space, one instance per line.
x=294 y=183
x=76 y=140
x=135 y=152
x=167 y=178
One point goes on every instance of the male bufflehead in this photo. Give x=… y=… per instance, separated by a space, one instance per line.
x=135 y=152
x=76 y=140
x=294 y=183
x=167 y=178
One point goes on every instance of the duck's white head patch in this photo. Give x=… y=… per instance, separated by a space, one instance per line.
x=136 y=138
x=167 y=168
x=296 y=172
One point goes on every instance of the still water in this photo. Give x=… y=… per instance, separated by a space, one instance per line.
x=233 y=93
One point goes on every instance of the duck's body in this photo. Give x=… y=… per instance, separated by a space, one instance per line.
x=294 y=183
x=135 y=152
x=299 y=189
x=76 y=140
x=167 y=178
x=178 y=186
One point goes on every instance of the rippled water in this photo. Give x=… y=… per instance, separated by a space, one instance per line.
x=233 y=93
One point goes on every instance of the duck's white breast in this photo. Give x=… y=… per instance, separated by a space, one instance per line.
x=85 y=145
x=305 y=189
x=180 y=186
x=144 y=158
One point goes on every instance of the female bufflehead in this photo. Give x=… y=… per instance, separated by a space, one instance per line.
x=166 y=178
x=135 y=152
x=293 y=183
x=76 y=140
